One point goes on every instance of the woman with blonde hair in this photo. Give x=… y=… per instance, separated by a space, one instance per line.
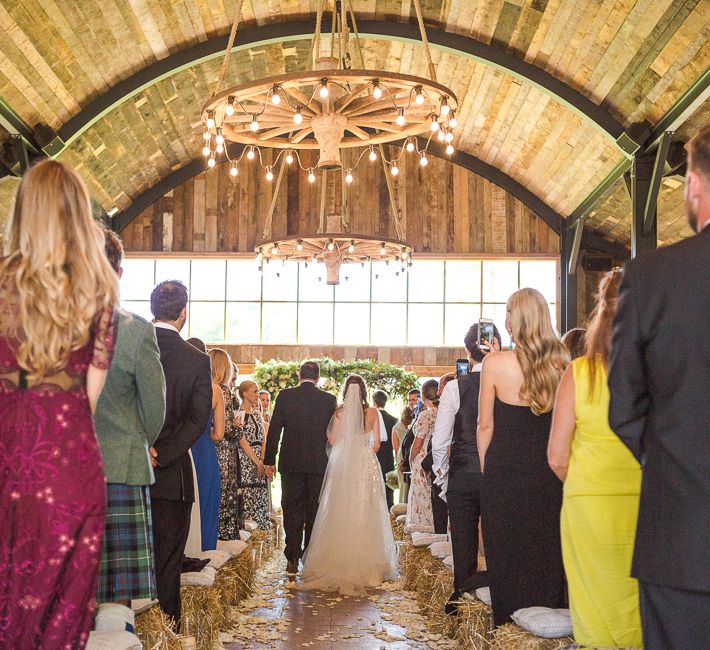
x=57 y=294
x=520 y=496
x=602 y=485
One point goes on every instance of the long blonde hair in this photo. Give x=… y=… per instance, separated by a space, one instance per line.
x=540 y=353
x=54 y=253
x=221 y=366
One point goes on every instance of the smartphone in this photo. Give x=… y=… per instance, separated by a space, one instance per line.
x=461 y=367
x=486 y=333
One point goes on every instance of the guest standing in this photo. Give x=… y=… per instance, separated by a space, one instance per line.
x=398 y=432
x=413 y=398
x=57 y=294
x=602 y=482
x=188 y=403
x=128 y=418
x=520 y=496
x=265 y=401
x=385 y=454
x=204 y=455
x=253 y=485
x=419 y=511
x=659 y=377
x=227 y=449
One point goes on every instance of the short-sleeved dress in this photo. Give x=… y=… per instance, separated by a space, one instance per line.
x=228 y=457
x=419 y=512
x=254 y=490
x=52 y=491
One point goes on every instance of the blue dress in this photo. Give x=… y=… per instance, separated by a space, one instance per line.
x=204 y=455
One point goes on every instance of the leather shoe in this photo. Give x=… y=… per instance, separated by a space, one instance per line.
x=292 y=567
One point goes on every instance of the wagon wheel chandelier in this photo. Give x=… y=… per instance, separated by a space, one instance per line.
x=330 y=107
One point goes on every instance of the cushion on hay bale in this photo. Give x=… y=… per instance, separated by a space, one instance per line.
x=204 y=578
x=484 y=594
x=244 y=535
x=426 y=538
x=417 y=528
x=250 y=525
x=113 y=617
x=401 y=519
x=217 y=558
x=141 y=605
x=440 y=549
x=398 y=509
x=113 y=641
x=543 y=621
x=233 y=546
x=449 y=562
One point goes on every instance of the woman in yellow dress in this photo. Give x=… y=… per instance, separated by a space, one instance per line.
x=602 y=482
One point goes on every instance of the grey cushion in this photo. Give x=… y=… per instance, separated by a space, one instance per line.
x=545 y=622
x=484 y=594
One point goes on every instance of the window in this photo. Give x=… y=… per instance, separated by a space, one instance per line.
x=434 y=303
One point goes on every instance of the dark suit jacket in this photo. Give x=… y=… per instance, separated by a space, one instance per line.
x=659 y=379
x=188 y=381
x=303 y=414
x=386 y=453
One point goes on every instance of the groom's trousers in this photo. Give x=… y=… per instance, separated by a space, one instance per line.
x=299 y=500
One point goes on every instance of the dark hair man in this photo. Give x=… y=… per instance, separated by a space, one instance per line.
x=385 y=454
x=413 y=397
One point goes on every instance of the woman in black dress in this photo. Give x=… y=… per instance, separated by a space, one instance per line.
x=521 y=497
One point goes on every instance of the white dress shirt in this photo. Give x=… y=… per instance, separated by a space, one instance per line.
x=166 y=326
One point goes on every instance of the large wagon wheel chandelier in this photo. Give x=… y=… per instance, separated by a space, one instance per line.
x=329 y=107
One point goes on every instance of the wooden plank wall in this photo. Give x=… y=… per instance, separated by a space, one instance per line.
x=445 y=210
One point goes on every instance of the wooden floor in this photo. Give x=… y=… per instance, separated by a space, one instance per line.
x=281 y=618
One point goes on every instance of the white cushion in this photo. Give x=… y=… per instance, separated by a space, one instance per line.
x=484 y=594
x=250 y=525
x=401 y=519
x=427 y=539
x=545 y=622
x=399 y=509
x=449 y=562
x=244 y=535
x=113 y=641
x=217 y=558
x=233 y=546
x=204 y=578
x=440 y=549
x=112 y=617
x=418 y=528
x=140 y=605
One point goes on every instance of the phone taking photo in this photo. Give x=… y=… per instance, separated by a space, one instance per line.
x=461 y=367
x=486 y=333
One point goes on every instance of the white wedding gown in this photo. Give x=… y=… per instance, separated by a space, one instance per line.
x=351 y=546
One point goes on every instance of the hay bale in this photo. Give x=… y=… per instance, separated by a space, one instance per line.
x=474 y=620
x=235 y=580
x=397 y=528
x=512 y=637
x=411 y=559
x=203 y=614
x=155 y=629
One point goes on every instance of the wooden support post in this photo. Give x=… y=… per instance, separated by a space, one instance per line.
x=642 y=239
x=568 y=281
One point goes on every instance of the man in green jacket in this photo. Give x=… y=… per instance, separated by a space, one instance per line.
x=128 y=419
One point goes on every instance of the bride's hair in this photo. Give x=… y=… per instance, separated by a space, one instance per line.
x=357 y=379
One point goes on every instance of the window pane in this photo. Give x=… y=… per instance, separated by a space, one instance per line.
x=173 y=270
x=312 y=283
x=315 y=322
x=243 y=280
x=137 y=280
x=389 y=324
x=500 y=279
x=426 y=281
x=354 y=283
x=426 y=324
x=243 y=322
x=540 y=275
x=387 y=286
x=280 y=281
x=553 y=317
x=207 y=321
x=458 y=319
x=497 y=314
x=207 y=280
x=463 y=281
x=352 y=323
x=278 y=324
x=140 y=307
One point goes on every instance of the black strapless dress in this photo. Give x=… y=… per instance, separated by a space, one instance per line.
x=520 y=503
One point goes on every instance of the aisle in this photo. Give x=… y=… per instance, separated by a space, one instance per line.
x=279 y=618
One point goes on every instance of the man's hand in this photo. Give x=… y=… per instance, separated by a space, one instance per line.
x=269 y=470
x=153 y=457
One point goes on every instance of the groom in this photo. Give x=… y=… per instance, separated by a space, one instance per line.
x=303 y=414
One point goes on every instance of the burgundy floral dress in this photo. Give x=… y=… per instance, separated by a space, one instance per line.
x=52 y=494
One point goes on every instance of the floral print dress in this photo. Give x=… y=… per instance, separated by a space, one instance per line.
x=228 y=457
x=254 y=490
x=419 y=512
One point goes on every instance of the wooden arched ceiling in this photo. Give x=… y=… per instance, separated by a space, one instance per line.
x=632 y=59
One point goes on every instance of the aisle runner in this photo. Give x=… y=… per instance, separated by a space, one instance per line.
x=275 y=617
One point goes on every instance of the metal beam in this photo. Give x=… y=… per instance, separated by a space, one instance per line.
x=651 y=206
x=15 y=125
x=258 y=36
x=642 y=240
x=576 y=243
x=568 y=283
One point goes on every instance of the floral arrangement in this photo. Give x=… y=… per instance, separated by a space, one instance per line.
x=276 y=375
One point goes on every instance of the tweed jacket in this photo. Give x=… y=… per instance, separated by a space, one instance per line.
x=131 y=409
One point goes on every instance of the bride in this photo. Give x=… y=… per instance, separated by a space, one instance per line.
x=351 y=547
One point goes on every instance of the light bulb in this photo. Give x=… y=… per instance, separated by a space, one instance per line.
x=289 y=158
x=410 y=146
x=400 y=117
x=298 y=116
x=299 y=246
x=311 y=177
x=254 y=126
x=219 y=139
x=440 y=136
x=373 y=155
x=219 y=148
x=453 y=122
x=331 y=245
x=207 y=135
x=205 y=151
x=449 y=136
x=445 y=108
x=423 y=161
x=449 y=149
x=395 y=169
x=383 y=250
x=211 y=162
x=275 y=97
x=323 y=92
x=269 y=174
x=419 y=97
x=351 y=248
x=233 y=170
x=250 y=153
x=275 y=250
x=377 y=91
x=210 y=120
x=230 y=106
x=404 y=255
x=434 y=126
x=349 y=177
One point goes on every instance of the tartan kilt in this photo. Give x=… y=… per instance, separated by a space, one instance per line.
x=127 y=568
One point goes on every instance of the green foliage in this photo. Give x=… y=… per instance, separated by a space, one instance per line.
x=275 y=375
